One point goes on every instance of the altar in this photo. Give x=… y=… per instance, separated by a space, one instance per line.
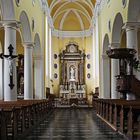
x=72 y=85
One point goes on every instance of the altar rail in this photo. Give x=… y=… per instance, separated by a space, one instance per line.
x=18 y=117
x=121 y=115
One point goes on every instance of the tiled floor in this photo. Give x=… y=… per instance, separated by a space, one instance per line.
x=73 y=124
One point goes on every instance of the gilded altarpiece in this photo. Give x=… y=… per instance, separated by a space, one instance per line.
x=72 y=83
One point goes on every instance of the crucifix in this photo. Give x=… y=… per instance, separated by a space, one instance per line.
x=10 y=57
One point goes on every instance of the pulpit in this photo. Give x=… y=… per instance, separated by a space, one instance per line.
x=126 y=81
x=72 y=85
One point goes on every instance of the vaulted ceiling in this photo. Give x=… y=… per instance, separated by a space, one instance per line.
x=71 y=15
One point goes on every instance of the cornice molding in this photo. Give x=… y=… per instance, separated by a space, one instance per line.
x=66 y=34
x=10 y=23
x=131 y=25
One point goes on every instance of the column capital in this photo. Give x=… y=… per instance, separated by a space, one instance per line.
x=10 y=23
x=131 y=26
x=114 y=45
x=28 y=44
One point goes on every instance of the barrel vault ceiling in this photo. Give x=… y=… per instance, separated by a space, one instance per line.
x=71 y=15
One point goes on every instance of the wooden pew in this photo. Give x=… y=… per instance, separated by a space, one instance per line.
x=17 y=117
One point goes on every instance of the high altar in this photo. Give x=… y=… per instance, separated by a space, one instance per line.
x=72 y=83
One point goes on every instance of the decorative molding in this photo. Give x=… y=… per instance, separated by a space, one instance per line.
x=67 y=34
x=29 y=44
x=114 y=45
x=131 y=25
x=10 y=23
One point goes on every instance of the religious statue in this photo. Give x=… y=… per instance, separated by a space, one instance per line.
x=10 y=66
x=72 y=73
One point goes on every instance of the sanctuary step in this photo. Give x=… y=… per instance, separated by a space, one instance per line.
x=73 y=124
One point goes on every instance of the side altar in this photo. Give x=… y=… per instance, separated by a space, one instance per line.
x=72 y=82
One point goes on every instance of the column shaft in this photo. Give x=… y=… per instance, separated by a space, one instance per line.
x=132 y=41
x=114 y=72
x=28 y=73
x=10 y=38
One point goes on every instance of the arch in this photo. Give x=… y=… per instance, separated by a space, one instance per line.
x=105 y=70
x=117 y=27
x=54 y=3
x=38 y=66
x=71 y=9
x=64 y=4
x=77 y=15
x=25 y=27
x=105 y=44
x=7 y=10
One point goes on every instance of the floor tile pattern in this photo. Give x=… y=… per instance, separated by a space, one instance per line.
x=73 y=124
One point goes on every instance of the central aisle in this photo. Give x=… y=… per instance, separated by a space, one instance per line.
x=73 y=124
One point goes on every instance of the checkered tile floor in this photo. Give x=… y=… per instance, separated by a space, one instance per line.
x=73 y=124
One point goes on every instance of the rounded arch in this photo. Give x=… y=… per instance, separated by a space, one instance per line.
x=25 y=27
x=105 y=44
x=38 y=80
x=105 y=70
x=7 y=10
x=117 y=27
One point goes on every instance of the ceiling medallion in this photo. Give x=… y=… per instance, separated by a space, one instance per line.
x=124 y=3
x=17 y=2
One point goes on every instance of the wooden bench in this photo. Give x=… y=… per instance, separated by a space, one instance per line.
x=122 y=115
x=18 y=117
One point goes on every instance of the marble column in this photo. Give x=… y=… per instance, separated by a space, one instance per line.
x=28 y=71
x=10 y=93
x=114 y=72
x=38 y=77
x=105 y=77
x=131 y=38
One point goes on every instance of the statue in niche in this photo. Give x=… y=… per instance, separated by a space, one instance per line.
x=72 y=73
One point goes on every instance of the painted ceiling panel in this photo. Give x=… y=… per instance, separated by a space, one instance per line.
x=71 y=15
x=71 y=23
